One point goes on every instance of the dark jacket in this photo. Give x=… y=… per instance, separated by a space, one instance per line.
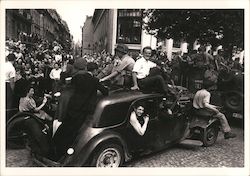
x=80 y=104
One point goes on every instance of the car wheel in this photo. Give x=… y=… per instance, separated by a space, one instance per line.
x=234 y=101
x=209 y=136
x=109 y=155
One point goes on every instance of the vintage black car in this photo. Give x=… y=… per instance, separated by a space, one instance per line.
x=107 y=139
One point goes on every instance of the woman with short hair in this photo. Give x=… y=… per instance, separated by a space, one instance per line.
x=138 y=121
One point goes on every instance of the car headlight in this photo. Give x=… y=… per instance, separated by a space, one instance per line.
x=70 y=151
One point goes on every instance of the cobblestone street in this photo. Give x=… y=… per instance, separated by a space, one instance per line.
x=225 y=153
x=222 y=154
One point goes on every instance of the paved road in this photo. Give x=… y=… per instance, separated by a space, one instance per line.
x=225 y=153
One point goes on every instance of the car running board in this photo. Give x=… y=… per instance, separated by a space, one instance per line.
x=190 y=142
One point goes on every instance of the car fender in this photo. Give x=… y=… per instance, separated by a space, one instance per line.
x=212 y=122
x=80 y=158
x=17 y=124
x=20 y=117
x=203 y=123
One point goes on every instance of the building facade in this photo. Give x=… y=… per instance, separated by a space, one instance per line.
x=17 y=20
x=44 y=23
x=113 y=26
x=87 y=36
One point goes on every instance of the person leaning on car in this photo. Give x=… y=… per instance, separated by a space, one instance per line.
x=81 y=104
x=202 y=106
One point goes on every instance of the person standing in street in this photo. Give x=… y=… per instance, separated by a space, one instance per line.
x=10 y=74
x=219 y=60
x=124 y=69
x=55 y=76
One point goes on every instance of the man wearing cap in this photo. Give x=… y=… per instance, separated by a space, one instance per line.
x=10 y=74
x=126 y=66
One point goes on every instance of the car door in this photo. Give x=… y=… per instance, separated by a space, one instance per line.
x=151 y=140
x=171 y=126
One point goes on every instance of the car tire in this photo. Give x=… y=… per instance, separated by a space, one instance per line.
x=233 y=101
x=109 y=155
x=209 y=136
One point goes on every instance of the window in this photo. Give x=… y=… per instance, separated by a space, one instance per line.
x=114 y=114
x=129 y=26
x=150 y=107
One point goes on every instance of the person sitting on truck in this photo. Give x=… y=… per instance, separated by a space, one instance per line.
x=201 y=104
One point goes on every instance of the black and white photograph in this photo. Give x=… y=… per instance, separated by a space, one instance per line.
x=159 y=87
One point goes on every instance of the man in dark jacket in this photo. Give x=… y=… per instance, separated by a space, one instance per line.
x=80 y=105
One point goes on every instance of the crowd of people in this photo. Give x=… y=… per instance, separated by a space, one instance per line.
x=39 y=64
x=46 y=65
x=46 y=68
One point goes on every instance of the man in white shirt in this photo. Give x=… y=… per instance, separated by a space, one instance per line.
x=55 y=76
x=142 y=79
x=202 y=105
x=10 y=74
x=18 y=54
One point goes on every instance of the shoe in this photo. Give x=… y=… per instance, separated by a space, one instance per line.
x=229 y=135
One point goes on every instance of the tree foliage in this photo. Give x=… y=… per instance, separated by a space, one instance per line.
x=214 y=26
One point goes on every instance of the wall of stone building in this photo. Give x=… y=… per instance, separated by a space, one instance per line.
x=48 y=28
x=103 y=32
x=9 y=28
x=36 y=21
x=87 y=36
x=35 y=26
x=16 y=22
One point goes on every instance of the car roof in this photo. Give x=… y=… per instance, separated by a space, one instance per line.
x=125 y=96
x=119 y=97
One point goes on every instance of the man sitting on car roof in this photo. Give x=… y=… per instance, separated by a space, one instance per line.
x=125 y=67
x=141 y=74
